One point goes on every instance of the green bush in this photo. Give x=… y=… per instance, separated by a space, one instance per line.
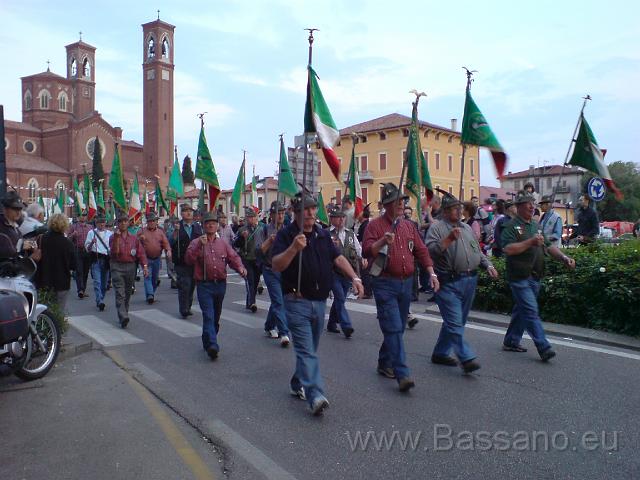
x=47 y=298
x=588 y=297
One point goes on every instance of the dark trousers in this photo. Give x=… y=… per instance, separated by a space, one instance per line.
x=252 y=280
x=83 y=267
x=186 y=286
x=124 y=276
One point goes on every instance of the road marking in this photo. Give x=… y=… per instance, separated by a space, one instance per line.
x=147 y=373
x=371 y=309
x=106 y=334
x=252 y=454
x=241 y=319
x=180 y=444
x=181 y=328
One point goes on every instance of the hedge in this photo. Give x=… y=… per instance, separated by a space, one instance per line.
x=602 y=293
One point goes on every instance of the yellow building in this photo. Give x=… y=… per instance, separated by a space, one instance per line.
x=381 y=147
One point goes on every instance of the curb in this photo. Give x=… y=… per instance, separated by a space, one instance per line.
x=73 y=344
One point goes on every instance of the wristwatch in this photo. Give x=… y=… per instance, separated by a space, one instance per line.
x=356 y=279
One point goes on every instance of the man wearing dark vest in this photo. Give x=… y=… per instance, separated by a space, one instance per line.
x=180 y=240
x=245 y=244
x=78 y=234
x=348 y=245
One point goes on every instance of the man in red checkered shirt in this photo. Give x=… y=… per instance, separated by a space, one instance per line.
x=393 y=287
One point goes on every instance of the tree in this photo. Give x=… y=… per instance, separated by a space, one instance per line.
x=97 y=172
x=187 y=172
x=626 y=176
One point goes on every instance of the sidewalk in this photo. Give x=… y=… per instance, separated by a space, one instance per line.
x=552 y=329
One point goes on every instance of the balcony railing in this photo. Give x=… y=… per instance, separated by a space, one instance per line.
x=562 y=189
x=365 y=176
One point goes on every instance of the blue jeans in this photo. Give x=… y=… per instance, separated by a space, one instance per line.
x=525 y=315
x=277 y=316
x=454 y=300
x=100 y=275
x=393 y=297
x=338 y=312
x=306 y=320
x=210 y=297
x=151 y=282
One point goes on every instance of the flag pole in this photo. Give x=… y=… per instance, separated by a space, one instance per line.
x=279 y=167
x=418 y=150
x=586 y=98
x=464 y=147
x=244 y=186
x=304 y=166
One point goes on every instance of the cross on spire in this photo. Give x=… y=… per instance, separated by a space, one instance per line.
x=48 y=62
x=158 y=14
x=80 y=33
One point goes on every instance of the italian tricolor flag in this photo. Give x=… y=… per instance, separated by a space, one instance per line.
x=355 y=192
x=318 y=120
x=587 y=154
x=135 y=208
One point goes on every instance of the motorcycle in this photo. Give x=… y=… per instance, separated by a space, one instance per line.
x=29 y=336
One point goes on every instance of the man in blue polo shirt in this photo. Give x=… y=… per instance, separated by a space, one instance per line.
x=305 y=305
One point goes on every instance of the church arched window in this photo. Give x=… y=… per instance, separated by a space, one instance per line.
x=45 y=97
x=86 y=68
x=62 y=101
x=59 y=188
x=74 y=67
x=151 y=48
x=165 y=48
x=32 y=189
x=28 y=100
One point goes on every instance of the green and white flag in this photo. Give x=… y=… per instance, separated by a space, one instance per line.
x=286 y=183
x=417 y=169
x=476 y=131
x=205 y=170
x=238 y=189
x=322 y=210
x=587 y=154
x=116 y=181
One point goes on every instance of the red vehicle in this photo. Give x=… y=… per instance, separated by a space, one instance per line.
x=619 y=228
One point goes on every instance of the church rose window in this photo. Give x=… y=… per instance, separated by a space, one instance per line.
x=91 y=143
x=29 y=146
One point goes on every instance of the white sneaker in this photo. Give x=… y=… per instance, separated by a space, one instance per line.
x=319 y=405
x=273 y=333
x=299 y=393
x=284 y=341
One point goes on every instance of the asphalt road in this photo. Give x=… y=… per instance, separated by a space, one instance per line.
x=576 y=417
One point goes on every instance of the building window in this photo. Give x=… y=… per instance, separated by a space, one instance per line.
x=29 y=146
x=59 y=188
x=6 y=143
x=450 y=139
x=165 y=48
x=437 y=136
x=473 y=192
x=437 y=160
x=86 y=68
x=319 y=168
x=404 y=155
x=28 y=101
x=365 y=196
x=405 y=132
x=91 y=145
x=364 y=164
x=380 y=193
x=383 y=136
x=549 y=182
x=45 y=96
x=450 y=189
x=259 y=198
x=151 y=48
x=362 y=139
x=382 y=160
x=473 y=170
x=426 y=133
x=62 y=101
x=450 y=162
x=32 y=188
x=74 y=67
x=338 y=196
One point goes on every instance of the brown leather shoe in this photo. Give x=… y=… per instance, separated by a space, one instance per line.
x=405 y=384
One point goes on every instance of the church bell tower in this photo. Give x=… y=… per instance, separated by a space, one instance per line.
x=157 y=70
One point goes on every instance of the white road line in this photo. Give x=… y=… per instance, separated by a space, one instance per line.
x=252 y=454
x=168 y=322
x=106 y=334
x=242 y=319
x=146 y=372
x=371 y=309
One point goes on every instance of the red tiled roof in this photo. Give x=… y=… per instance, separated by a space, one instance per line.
x=542 y=171
x=20 y=126
x=47 y=73
x=486 y=192
x=387 y=122
x=32 y=163
x=130 y=144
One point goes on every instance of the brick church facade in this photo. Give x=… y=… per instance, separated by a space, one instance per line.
x=60 y=123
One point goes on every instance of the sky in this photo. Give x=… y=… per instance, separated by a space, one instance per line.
x=244 y=62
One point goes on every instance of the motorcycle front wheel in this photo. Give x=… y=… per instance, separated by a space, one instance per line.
x=40 y=361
